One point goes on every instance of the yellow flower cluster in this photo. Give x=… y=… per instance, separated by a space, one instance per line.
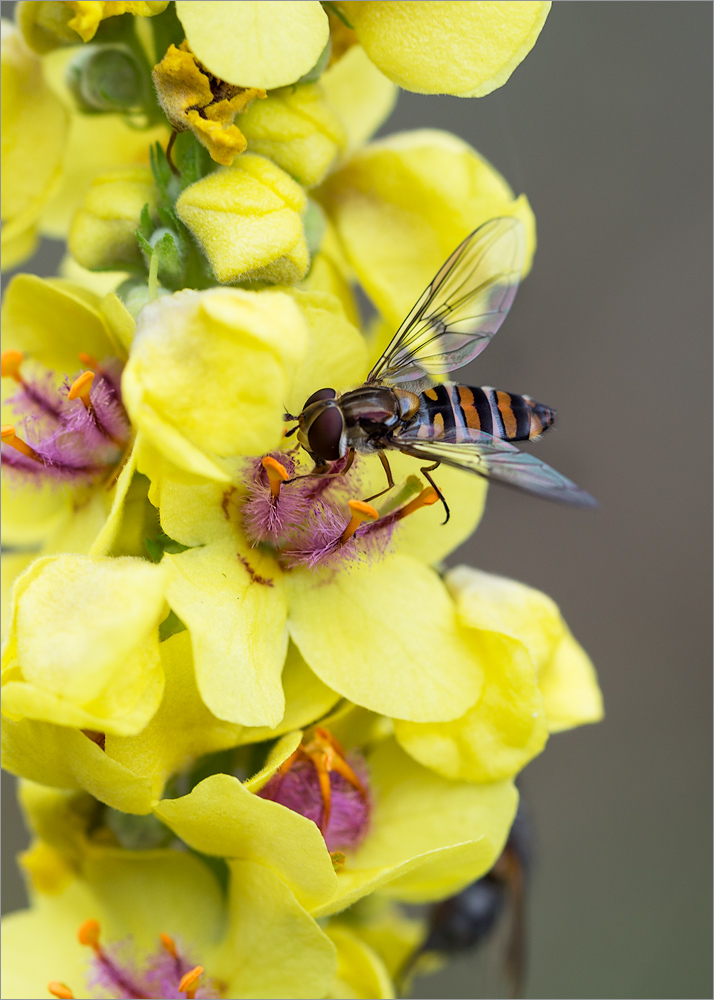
x=253 y=713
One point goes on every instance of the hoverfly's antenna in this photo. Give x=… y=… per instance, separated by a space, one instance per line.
x=290 y=433
x=288 y=417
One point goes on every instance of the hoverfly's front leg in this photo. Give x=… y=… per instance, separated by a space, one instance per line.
x=321 y=470
x=390 y=479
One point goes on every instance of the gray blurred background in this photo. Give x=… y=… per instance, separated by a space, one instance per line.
x=607 y=127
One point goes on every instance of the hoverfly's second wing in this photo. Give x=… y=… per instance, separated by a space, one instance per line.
x=461 y=309
x=498 y=460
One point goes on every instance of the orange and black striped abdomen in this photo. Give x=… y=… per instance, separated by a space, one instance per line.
x=461 y=408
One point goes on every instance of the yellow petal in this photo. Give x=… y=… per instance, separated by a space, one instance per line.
x=466 y=49
x=248 y=220
x=52 y=321
x=64 y=757
x=181 y=731
x=566 y=676
x=272 y=948
x=297 y=129
x=396 y=612
x=72 y=657
x=362 y=96
x=360 y=970
x=500 y=734
x=223 y=818
x=404 y=203
x=336 y=356
x=251 y=44
x=233 y=604
x=570 y=689
x=31 y=114
x=209 y=373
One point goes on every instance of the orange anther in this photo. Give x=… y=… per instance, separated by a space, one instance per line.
x=9 y=437
x=10 y=362
x=60 y=991
x=426 y=498
x=81 y=387
x=89 y=360
x=361 y=511
x=189 y=982
x=88 y=934
x=277 y=474
x=169 y=945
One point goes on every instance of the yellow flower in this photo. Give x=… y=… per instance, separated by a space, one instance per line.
x=538 y=680
x=362 y=96
x=130 y=773
x=78 y=488
x=425 y=837
x=83 y=644
x=297 y=129
x=193 y=100
x=103 y=232
x=255 y=940
x=466 y=49
x=248 y=220
x=31 y=115
x=254 y=44
x=401 y=205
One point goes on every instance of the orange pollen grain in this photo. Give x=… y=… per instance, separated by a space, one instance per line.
x=189 y=982
x=426 y=498
x=10 y=362
x=88 y=934
x=361 y=511
x=168 y=945
x=81 y=388
x=277 y=474
x=60 y=991
x=9 y=437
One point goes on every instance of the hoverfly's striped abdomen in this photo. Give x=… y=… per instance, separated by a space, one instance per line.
x=505 y=415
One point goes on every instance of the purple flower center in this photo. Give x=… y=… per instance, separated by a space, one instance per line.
x=331 y=789
x=75 y=432
x=314 y=521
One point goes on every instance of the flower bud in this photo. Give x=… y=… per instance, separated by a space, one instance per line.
x=106 y=78
x=297 y=129
x=103 y=232
x=248 y=220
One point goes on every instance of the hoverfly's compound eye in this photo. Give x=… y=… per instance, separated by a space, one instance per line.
x=319 y=396
x=325 y=433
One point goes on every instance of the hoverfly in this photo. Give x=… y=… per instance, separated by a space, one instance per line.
x=402 y=406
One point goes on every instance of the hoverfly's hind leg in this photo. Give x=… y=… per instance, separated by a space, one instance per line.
x=426 y=469
x=320 y=470
x=390 y=479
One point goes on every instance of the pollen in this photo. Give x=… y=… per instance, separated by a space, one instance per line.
x=168 y=944
x=277 y=474
x=60 y=991
x=9 y=437
x=189 y=982
x=10 y=362
x=88 y=934
x=426 y=498
x=81 y=388
x=361 y=512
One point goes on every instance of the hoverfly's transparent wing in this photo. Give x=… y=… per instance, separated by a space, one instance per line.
x=495 y=459
x=461 y=310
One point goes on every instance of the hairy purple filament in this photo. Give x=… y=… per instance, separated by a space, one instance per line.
x=115 y=974
x=72 y=442
x=305 y=523
x=299 y=789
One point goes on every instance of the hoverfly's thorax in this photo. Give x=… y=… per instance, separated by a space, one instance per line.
x=371 y=414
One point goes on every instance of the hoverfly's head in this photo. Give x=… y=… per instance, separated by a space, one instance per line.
x=321 y=426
